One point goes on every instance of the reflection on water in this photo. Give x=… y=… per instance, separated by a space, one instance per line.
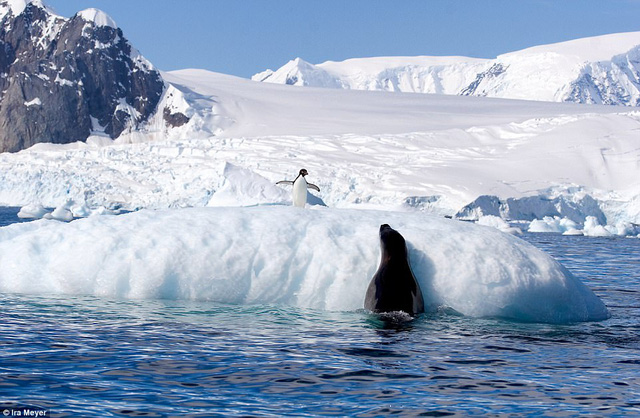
x=9 y=215
x=88 y=355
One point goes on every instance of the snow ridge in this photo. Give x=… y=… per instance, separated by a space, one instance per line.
x=97 y=17
x=596 y=70
x=16 y=7
x=108 y=87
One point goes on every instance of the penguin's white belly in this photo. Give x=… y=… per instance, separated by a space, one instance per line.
x=300 y=192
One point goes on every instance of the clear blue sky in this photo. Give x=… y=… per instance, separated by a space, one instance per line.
x=245 y=37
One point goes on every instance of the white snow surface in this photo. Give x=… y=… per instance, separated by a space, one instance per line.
x=499 y=224
x=16 y=7
x=601 y=69
x=49 y=28
x=554 y=224
x=35 y=211
x=322 y=259
x=594 y=48
x=98 y=17
x=34 y=102
x=591 y=227
x=397 y=151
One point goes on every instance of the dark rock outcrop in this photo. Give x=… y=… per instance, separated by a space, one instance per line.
x=475 y=88
x=62 y=78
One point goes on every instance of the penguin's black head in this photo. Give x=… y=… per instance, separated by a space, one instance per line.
x=303 y=172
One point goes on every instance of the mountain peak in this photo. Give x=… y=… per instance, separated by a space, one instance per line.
x=66 y=78
x=98 y=17
x=299 y=72
x=300 y=62
x=596 y=70
x=16 y=7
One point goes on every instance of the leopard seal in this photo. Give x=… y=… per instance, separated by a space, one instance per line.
x=393 y=287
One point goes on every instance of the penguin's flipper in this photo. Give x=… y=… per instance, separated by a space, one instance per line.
x=313 y=186
x=285 y=182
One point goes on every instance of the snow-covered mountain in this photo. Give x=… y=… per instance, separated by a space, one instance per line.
x=597 y=70
x=62 y=80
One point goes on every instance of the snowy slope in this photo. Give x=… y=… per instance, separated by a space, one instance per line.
x=266 y=109
x=16 y=7
x=602 y=70
x=320 y=259
x=364 y=149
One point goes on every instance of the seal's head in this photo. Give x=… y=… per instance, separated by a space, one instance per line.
x=392 y=243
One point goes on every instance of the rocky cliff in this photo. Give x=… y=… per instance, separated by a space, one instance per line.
x=63 y=79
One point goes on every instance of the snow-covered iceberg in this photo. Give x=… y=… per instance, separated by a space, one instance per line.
x=318 y=258
x=591 y=228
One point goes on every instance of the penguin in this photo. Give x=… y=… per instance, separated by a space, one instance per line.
x=300 y=187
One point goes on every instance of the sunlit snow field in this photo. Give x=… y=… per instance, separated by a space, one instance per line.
x=363 y=149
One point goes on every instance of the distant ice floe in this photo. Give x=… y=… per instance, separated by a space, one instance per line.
x=65 y=212
x=555 y=224
x=572 y=213
x=498 y=223
x=591 y=227
x=35 y=211
x=319 y=258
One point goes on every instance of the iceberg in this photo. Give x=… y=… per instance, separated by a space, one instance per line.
x=317 y=258
x=554 y=224
x=592 y=227
x=35 y=211
x=498 y=223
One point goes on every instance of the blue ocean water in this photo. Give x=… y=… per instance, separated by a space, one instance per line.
x=9 y=215
x=87 y=356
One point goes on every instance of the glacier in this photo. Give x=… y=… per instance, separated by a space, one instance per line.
x=394 y=151
x=320 y=258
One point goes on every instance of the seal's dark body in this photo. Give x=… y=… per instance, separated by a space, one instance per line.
x=393 y=287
